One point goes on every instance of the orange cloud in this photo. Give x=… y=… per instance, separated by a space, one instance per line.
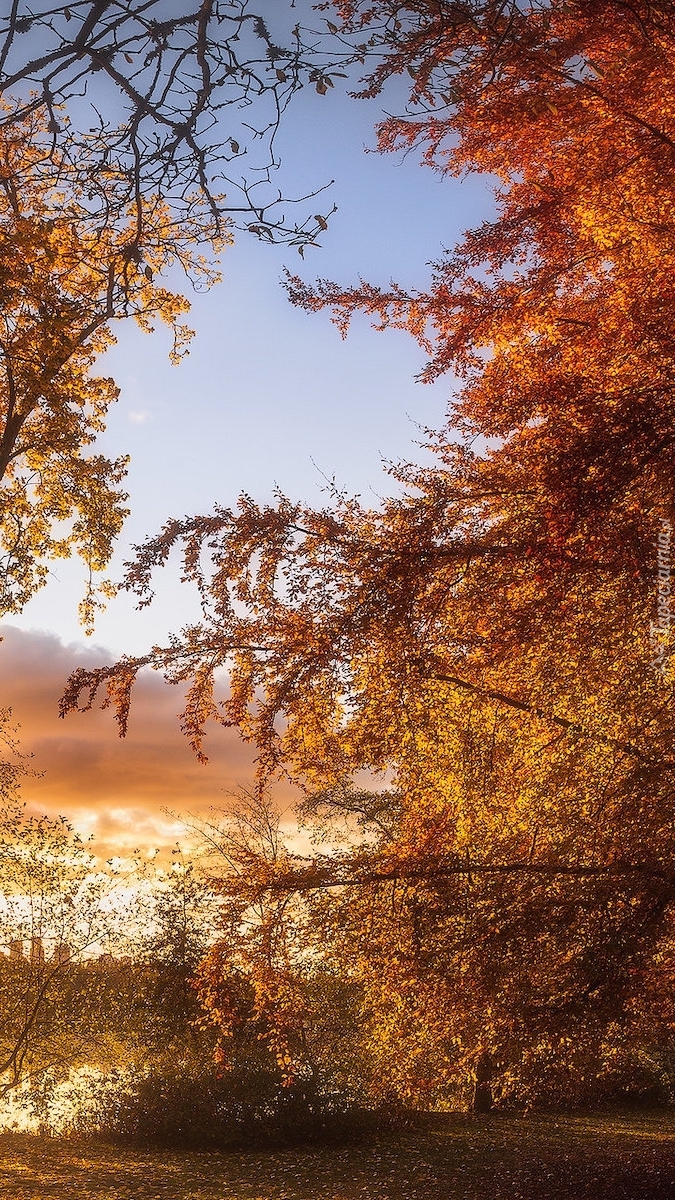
x=114 y=789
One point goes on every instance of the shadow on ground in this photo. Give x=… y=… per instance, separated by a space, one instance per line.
x=456 y=1158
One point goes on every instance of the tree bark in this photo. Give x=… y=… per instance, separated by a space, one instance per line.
x=482 y=1096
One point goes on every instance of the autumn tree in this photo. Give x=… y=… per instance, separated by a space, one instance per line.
x=262 y=983
x=570 y=108
x=95 y=965
x=522 y=796
x=65 y=282
x=481 y=643
x=58 y=911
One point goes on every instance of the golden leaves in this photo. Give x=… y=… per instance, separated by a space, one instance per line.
x=65 y=278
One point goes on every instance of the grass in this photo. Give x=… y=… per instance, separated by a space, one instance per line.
x=598 y=1157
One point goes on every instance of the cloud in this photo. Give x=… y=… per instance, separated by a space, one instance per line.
x=114 y=789
x=139 y=417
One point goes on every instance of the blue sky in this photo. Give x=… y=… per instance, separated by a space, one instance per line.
x=270 y=394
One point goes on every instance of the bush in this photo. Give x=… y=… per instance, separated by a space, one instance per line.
x=237 y=1109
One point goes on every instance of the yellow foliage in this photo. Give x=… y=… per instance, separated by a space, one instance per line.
x=64 y=279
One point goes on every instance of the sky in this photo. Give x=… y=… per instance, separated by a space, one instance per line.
x=269 y=395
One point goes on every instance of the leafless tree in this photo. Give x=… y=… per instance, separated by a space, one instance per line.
x=178 y=99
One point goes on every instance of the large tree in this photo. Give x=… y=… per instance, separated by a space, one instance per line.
x=485 y=640
x=533 y=781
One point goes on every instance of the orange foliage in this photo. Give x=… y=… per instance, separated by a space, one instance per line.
x=481 y=644
x=572 y=108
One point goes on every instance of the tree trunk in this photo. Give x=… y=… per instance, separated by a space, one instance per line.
x=482 y=1096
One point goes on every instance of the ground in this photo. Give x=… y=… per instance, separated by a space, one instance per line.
x=599 y=1157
